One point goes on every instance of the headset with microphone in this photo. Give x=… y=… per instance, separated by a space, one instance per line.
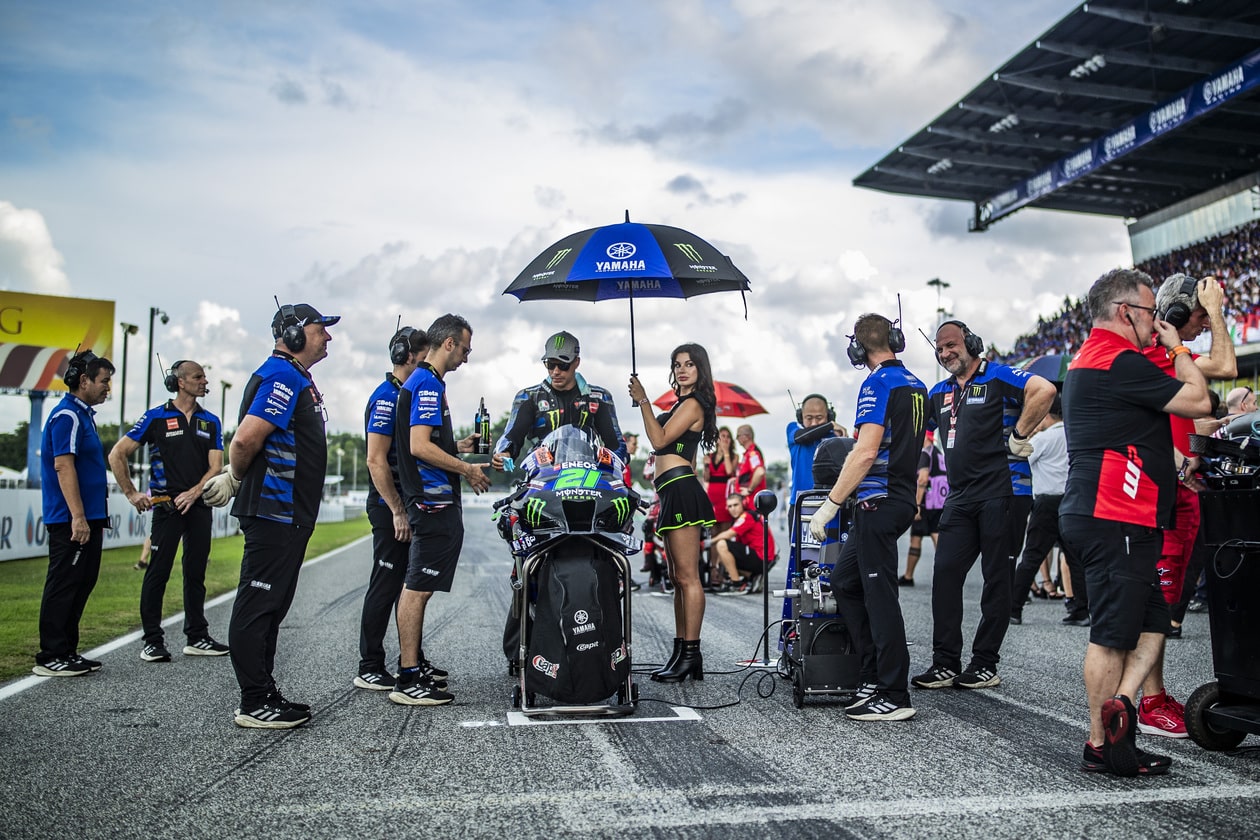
x=896 y=341
x=400 y=347
x=77 y=367
x=172 y=376
x=800 y=409
x=972 y=343
x=291 y=330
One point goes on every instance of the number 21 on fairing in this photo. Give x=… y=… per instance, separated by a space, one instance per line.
x=577 y=477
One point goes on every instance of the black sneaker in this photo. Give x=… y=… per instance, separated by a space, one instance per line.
x=270 y=716
x=936 y=677
x=1196 y=605
x=635 y=586
x=1149 y=764
x=62 y=666
x=879 y=707
x=418 y=690
x=155 y=653
x=864 y=692
x=275 y=698
x=1077 y=618
x=375 y=680
x=1119 y=748
x=92 y=664
x=975 y=677
x=905 y=581
x=434 y=673
x=205 y=647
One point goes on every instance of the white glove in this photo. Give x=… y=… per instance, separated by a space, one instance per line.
x=220 y=489
x=822 y=518
x=1019 y=447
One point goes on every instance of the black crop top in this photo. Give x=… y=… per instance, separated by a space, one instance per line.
x=686 y=445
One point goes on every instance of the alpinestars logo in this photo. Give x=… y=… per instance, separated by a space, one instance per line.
x=561 y=254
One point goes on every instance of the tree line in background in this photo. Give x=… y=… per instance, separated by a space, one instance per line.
x=353 y=448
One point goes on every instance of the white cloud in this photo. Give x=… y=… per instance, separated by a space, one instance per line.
x=29 y=262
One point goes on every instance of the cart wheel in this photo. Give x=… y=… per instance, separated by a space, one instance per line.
x=516 y=697
x=798 y=691
x=1203 y=733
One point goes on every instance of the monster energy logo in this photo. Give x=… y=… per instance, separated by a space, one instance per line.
x=916 y=411
x=679 y=448
x=533 y=511
x=561 y=254
x=622 y=508
x=559 y=342
x=689 y=251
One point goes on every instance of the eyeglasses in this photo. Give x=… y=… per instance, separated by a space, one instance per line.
x=1149 y=309
x=556 y=363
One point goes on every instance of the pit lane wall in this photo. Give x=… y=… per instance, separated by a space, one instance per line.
x=22 y=532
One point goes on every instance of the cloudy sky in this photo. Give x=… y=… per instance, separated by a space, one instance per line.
x=402 y=157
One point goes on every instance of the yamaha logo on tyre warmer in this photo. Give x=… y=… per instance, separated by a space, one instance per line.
x=583 y=622
x=548 y=669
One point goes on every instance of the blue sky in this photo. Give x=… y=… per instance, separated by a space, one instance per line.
x=387 y=158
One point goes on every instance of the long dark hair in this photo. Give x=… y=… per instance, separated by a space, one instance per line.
x=704 y=391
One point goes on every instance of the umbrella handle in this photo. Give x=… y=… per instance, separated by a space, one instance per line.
x=634 y=367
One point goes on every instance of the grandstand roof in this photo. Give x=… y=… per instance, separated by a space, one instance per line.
x=1079 y=119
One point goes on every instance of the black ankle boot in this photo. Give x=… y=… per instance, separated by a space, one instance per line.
x=673 y=659
x=690 y=664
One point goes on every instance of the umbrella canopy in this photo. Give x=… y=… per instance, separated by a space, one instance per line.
x=1052 y=366
x=732 y=401
x=627 y=260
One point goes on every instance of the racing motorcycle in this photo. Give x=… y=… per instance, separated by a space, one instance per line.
x=569 y=527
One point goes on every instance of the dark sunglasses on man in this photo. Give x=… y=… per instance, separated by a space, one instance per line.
x=556 y=363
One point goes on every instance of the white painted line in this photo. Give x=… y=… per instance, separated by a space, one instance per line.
x=680 y=713
x=18 y=686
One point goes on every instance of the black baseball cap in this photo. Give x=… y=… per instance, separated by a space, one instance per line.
x=562 y=346
x=305 y=314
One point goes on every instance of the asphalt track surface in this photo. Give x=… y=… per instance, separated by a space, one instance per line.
x=149 y=750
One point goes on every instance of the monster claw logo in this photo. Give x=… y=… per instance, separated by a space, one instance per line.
x=561 y=254
x=689 y=251
x=916 y=408
x=622 y=507
x=533 y=511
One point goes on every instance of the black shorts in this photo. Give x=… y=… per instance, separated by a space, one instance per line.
x=927 y=526
x=684 y=501
x=1119 y=560
x=746 y=560
x=436 y=539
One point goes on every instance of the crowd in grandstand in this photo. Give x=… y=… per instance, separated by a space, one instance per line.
x=1231 y=257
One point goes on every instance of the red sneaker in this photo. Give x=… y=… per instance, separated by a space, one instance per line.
x=1162 y=715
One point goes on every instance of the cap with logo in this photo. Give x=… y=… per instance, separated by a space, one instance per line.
x=562 y=346
x=305 y=314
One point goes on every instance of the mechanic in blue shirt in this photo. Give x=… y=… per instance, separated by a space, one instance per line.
x=882 y=472
x=815 y=422
x=72 y=469
x=391 y=532
x=185 y=451
x=276 y=466
x=431 y=489
x=985 y=412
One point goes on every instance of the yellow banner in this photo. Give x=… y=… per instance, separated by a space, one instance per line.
x=39 y=333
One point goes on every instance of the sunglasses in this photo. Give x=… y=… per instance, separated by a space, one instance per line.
x=556 y=363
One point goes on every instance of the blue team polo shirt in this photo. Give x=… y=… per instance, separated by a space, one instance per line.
x=71 y=430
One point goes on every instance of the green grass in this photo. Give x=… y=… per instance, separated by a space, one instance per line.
x=114 y=607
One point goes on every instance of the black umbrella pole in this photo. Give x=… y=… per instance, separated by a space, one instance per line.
x=634 y=367
x=765 y=586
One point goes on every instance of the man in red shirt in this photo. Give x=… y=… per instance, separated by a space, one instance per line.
x=1120 y=492
x=740 y=548
x=751 y=475
x=1191 y=306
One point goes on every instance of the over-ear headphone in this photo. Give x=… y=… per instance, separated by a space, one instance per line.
x=172 y=378
x=972 y=343
x=800 y=409
x=896 y=343
x=77 y=367
x=1178 y=313
x=291 y=331
x=400 y=348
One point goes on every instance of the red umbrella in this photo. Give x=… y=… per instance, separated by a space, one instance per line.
x=732 y=401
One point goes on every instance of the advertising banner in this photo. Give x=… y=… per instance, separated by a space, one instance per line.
x=39 y=333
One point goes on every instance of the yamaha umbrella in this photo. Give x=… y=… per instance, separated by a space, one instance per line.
x=628 y=260
x=732 y=401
